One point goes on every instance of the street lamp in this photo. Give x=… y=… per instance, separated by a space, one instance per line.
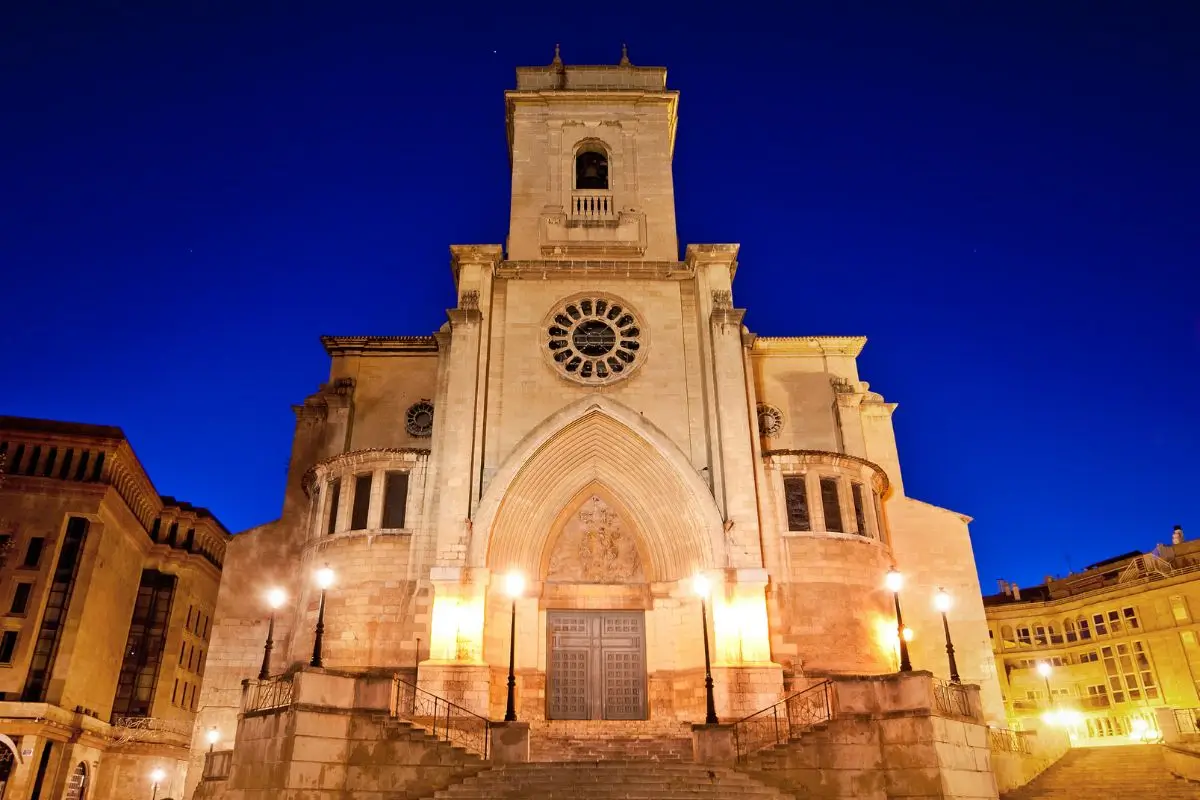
x=324 y=580
x=275 y=599
x=702 y=587
x=213 y=736
x=894 y=583
x=942 y=601
x=1044 y=669
x=514 y=584
x=157 y=777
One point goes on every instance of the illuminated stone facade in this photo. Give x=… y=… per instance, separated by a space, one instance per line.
x=1121 y=637
x=604 y=424
x=107 y=595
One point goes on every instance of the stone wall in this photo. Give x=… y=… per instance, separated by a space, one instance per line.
x=1016 y=767
x=1183 y=761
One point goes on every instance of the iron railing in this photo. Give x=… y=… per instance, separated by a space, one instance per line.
x=785 y=720
x=1005 y=740
x=1187 y=720
x=443 y=719
x=127 y=729
x=217 y=764
x=951 y=699
x=267 y=694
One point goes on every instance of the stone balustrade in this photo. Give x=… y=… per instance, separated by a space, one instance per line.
x=593 y=204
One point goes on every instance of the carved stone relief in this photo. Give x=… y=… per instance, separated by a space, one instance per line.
x=595 y=546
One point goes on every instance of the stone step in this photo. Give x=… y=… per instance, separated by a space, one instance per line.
x=1135 y=771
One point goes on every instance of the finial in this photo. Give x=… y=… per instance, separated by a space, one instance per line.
x=625 y=56
x=557 y=58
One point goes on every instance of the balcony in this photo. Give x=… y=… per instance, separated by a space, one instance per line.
x=593 y=205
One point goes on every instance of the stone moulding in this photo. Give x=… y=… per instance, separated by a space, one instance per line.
x=823 y=457
x=345 y=462
x=809 y=345
x=378 y=345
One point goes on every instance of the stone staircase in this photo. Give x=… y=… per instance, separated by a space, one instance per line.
x=596 y=740
x=609 y=780
x=1133 y=771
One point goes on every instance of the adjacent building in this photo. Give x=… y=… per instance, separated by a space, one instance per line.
x=1120 y=639
x=596 y=417
x=107 y=596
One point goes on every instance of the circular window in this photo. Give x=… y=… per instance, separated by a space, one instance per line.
x=770 y=420
x=594 y=340
x=419 y=419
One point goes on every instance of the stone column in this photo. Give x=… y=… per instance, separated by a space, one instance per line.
x=745 y=679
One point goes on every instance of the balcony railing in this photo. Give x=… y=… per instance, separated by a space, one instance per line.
x=217 y=765
x=592 y=204
x=268 y=694
x=1004 y=740
x=785 y=720
x=148 y=729
x=443 y=719
x=951 y=699
x=1187 y=720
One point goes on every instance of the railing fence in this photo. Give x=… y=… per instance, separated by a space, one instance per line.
x=445 y=720
x=785 y=720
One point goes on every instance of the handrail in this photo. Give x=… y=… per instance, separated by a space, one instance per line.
x=785 y=720
x=1187 y=720
x=951 y=699
x=1006 y=740
x=262 y=695
x=444 y=720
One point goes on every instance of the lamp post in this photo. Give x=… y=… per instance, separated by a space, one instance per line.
x=213 y=737
x=514 y=584
x=1044 y=669
x=702 y=588
x=894 y=583
x=275 y=599
x=157 y=777
x=942 y=601
x=324 y=580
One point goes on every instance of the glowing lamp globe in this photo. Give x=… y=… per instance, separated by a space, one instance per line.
x=157 y=776
x=942 y=601
x=701 y=584
x=213 y=736
x=514 y=584
x=324 y=577
x=1044 y=669
x=894 y=581
x=276 y=598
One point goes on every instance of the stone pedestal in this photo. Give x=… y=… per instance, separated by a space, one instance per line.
x=713 y=744
x=1164 y=718
x=741 y=690
x=464 y=685
x=510 y=743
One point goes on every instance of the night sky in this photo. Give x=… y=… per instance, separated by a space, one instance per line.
x=1003 y=197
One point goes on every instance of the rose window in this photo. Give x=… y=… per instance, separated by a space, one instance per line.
x=594 y=340
x=419 y=419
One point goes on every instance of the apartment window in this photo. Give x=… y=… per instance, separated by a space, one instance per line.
x=795 y=496
x=1023 y=637
x=1179 y=609
x=175 y=693
x=1089 y=657
x=1055 y=636
x=1039 y=635
x=144 y=647
x=58 y=601
x=362 y=502
x=1099 y=625
x=1097 y=696
x=831 y=505
x=1131 y=620
x=21 y=598
x=1114 y=621
x=1085 y=633
x=8 y=645
x=1006 y=637
x=395 y=498
x=860 y=513
x=335 y=494
x=33 y=553
x=1069 y=631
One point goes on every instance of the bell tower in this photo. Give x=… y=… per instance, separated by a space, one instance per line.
x=590 y=149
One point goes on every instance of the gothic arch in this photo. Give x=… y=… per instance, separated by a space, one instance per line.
x=11 y=745
x=599 y=440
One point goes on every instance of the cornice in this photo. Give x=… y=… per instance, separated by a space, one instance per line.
x=809 y=345
x=830 y=458
x=378 y=345
x=593 y=268
x=359 y=457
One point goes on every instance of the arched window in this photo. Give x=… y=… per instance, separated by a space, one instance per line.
x=591 y=168
x=77 y=786
x=1069 y=630
x=1006 y=636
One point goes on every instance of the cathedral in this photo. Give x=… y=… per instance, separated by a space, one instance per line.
x=596 y=469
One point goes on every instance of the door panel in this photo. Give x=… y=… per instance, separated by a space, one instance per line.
x=597 y=665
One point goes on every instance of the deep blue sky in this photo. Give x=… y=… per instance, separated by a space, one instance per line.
x=1003 y=197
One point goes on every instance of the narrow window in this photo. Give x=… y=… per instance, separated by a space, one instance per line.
x=860 y=514
x=8 y=644
x=1099 y=625
x=33 y=554
x=795 y=494
x=34 y=456
x=1023 y=637
x=335 y=494
x=1179 y=609
x=591 y=171
x=173 y=534
x=81 y=467
x=62 y=585
x=48 y=467
x=1039 y=635
x=65 y=471
x=97 y=466
x=14 y=463
x=21 y=598
x=1069 y=630
x=1131 y=618
x=362 y=502
x=182 y=648
x=831 y=506
x=1084 y=632
x=395 y=497
x=175 y=692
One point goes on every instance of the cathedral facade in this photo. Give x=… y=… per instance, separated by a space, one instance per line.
x=595 y=426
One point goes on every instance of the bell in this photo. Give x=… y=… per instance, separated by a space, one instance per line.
x=590 y=171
